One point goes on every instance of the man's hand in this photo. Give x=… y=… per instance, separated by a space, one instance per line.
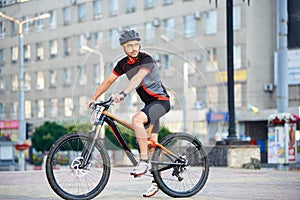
x=91 y=103
x=119 y=97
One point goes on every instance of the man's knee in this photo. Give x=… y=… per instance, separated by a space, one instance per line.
x=139 y=118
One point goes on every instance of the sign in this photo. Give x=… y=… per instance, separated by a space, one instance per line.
x=239 y=76
x=9 y=124
x=217 y=117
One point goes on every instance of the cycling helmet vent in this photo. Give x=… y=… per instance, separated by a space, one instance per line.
x=129 y=35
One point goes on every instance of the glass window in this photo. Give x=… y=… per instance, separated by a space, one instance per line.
x=53 y=48
x=39 y=51
x=97 y=73
x=27 y=25
x=167 y=2
x=236 y=17
x=67 y=46
x=13 y=28
x=148 y=4
x=81 y=12
x=2 y=29
x=14 y=83
x=2 y=57
x=39 y=23
x=40 y=105
x=97 y=7
x=68 y=106
x=53 y=78
x=82 y=41
x=113 y=7
x=189 y=26
x=211 y=22
x=83 y=100
x=67 y=15
x=27 y=109
x=237 y=56
x=2 y=84
x=14 y=110
x=212 y=62
x=114 y=38
x=98 y=38
x=53 y=19
x=40 y=80
x=27 y=81
x=149 y=32
x=167 y=60
x=53 y=107
x=169 y=26
x=67 y=76
x=82 y=75
x=2 y=111
x=130 y=6
x=27 y=52
x=14 y=54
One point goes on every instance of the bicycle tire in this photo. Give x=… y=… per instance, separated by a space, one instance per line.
x=188 y=180
x=66 y=178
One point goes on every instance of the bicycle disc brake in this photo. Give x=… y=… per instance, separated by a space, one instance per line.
x=77 y=169
x=179 y=170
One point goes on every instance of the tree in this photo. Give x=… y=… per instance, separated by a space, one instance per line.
x=45 y=135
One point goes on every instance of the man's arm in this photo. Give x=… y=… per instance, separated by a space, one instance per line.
x=133 y=84
x=104 y=86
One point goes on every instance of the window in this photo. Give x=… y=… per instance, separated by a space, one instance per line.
x=27 y=81
x=67 y=15
x=68 y=106
x=167 y=2
x=97 y=73
x=14 y=83
x=53 y=19
x=238 y=97
x=40 y=80
x=39 y=23
x=2 y=111
x=130 y=6
x=212 y=95
x=28 y=109
x=97 y=7
x=53 y=48
x=2 y=57
x=53 y=78
x=27 y=53
x=211 y=22
x=2 y=29
x=2 y=84
x=149 y=32
x=13 y=28
x=237 y=56
x=113 y=7
x=189 y=26
x=212 y=62
x=14 y=110
x=148 y=4
x=14 y=54
x=82 y=75
x=236 y=17
x=169 y=26
x=40 y=106
x=81 y=12
x=67 y=46
x=27 y=25
x=53 y=107
x=39 y=51
x=82 y=41
x=82 y=105
x=67 y=76
x=114 y=38
x=167 y=60
x=98 y=38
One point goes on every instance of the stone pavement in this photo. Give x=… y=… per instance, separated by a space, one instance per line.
x=223 y=184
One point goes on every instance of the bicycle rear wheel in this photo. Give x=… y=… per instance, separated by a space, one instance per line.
x=183 y=177
x=66 y=174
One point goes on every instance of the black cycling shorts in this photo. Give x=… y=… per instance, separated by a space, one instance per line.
x=155 y=110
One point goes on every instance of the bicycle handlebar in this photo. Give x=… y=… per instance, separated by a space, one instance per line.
x=106 y=104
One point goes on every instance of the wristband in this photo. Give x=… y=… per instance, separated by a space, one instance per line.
x=123 y=93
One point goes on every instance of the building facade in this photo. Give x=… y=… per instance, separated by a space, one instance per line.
x=186 y=37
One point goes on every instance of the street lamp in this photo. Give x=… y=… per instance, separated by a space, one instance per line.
x=101 y=62
x=21 y=98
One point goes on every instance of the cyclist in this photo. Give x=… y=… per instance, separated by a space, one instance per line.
x=142 y=72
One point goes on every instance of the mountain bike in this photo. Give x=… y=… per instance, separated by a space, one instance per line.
x=78 y=165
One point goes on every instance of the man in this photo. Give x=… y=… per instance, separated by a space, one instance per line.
x=142 y=72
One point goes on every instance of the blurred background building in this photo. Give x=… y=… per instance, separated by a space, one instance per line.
x=65 y=53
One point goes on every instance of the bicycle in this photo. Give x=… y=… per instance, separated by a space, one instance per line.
x=78 y=165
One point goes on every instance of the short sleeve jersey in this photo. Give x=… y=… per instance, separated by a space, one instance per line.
x=151 y=87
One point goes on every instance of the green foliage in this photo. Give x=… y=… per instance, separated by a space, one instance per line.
x=85 y=128
x=45 y=135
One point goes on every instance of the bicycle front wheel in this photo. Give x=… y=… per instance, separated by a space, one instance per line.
x=66 y=173
x=185 y=175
